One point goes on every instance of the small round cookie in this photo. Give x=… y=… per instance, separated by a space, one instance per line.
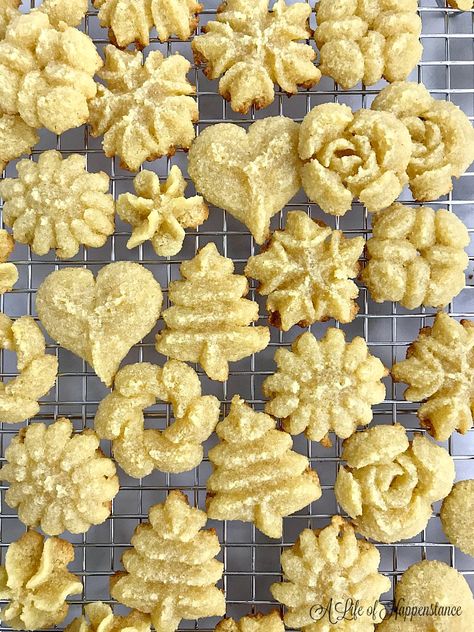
x=457 y=514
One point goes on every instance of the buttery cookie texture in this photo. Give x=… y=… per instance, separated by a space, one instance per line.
x=368 y=41
x=257 y=477
x=416 y=256
x=145 y=110
x=306 y=271
x=171 y=571
x=324 y=386
x=8 y=11
x=390 y=483
x=442 y=135
x=99 y=617
x=8 y=271
x=251 y=174
x=120 y=418
x=59 y=481
x=253 y=623
x=16 y=138
x=456 y=516
x=329 y=566
x=432 y=582
x=252 y=48
x=35 y=582
x=130 y=21
x=160 y=212
x=362 y=155
x=439 y=371
x=56 y=203
x=210 y=320
x=37 y=369
x=100 y=319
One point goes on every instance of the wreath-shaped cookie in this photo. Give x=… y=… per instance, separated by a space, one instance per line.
x=120 y=418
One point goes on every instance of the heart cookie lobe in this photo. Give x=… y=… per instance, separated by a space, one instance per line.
x=100 y=319
x=253 y=174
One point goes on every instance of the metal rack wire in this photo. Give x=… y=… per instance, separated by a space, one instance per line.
x=251 y=560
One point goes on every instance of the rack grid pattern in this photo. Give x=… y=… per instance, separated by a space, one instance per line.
x=251 y=560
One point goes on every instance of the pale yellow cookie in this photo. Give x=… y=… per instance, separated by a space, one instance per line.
x=210 y=320
x=100 y=319
x=37 y=369
x=416 y=256
x=457 y=512
x=56 y=203
x=160 y=212
x=170 y=573
x=426 y=584
x=251 y=174
x=35 y=582
x=306 y=272
x=365 y=41
x=120 y=418
x=442 y=135
x=253 y=623
x=362 y=155
x=145 y=109
x=257 y=477
x=8 y=271
x=439 y=371
x=8 y=11
x=324 y=568
x=59 y=481
x=69 y=11
x=390 y=483
x=99 y=617
x=463 y=5
x=252 y=48
x=326 y=385
x=16 y=138
x=130 y=21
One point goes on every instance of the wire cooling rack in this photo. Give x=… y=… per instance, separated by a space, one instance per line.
x=251 y=560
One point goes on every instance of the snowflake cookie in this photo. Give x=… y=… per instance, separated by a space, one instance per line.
x=145 y=110
x=390 y=483
x=347 y=156
x=8 y=271
x=306 y=271
x=456 y=516
x=416 y=256
x=160 y=212
x=325 y=386
x=253 y=623
x=439 y=371
x=99 y=617
x=253 y=48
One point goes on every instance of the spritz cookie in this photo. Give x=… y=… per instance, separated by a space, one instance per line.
x=253 y=623
x=16 y=138
x=362 y=155
x=8 y=271
x=306 y=271
x=252 y=48
x=390 y=483
x=456 y=516
x=99 y=617
x=8 y=11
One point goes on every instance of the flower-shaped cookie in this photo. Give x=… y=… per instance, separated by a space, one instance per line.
x=120 y=418
x=35 y=581
x=390 y=483
x=253 y=48
x=37 y=369
x=442 y=135
x=363 y=155
x=56 y=203
x=8 y=271
x=160 y=213
x=439 y=371
x=431 y=582
x=253 y=623
x=365 y=41
x=325 y=386
x=210 y=320
x=456 y=516
x=99 y=617
x=306 y=272
x=145 y=110
x=100 y=319
x=59 y=481
x=16 y=138
x=325 y=568
x=171 y=571
x=251 y=174
x=257 y=476
x=416 y=256
x=130 y=21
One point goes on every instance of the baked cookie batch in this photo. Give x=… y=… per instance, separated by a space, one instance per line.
x=143 y=106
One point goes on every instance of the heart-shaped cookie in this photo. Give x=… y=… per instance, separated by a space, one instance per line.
x=253 y=174
x=100 y=319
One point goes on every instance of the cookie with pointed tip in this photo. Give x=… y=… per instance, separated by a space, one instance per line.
x=253 y=623
x=100 y=319
x=99 y=617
